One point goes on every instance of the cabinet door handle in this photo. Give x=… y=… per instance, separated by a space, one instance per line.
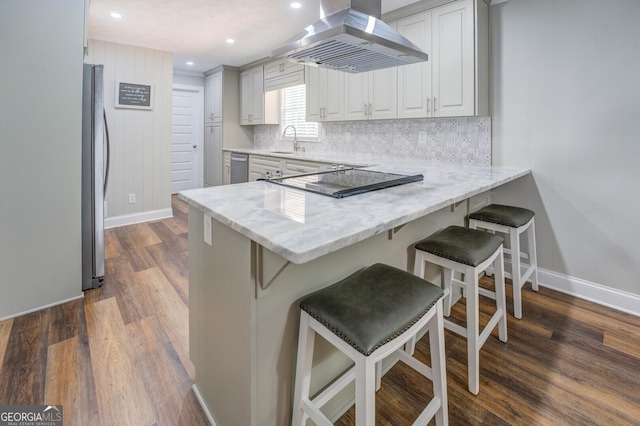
x=434 y=104
x=370 y=110
x=428 y=103
x=365 y=110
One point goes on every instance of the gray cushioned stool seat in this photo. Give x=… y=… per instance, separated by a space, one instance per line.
x=372 y=306
x=511 y=216
x=463 y=245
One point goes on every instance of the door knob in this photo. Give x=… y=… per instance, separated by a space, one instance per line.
x=195 y=146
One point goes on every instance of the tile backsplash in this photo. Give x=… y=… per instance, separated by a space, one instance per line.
x=461 y=140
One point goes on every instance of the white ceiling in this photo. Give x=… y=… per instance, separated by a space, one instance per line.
x=196 y=30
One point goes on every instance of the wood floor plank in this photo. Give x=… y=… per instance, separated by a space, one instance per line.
x=120 y=389
x=22 y=375
x=168 y=238
x=177 y=226
x=629 y=344
x=175 y=266
x=171 y=312
x=112 y=246
x=134 y=239
x=139 y=234
x=166 y=380
x=5 y=330
x=122 y=283
x=70 y=381
x=66 y=321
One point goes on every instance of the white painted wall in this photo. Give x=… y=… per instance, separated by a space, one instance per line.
x=189 y=79
x=40 y=133
x=566 y=103
x=140 y=139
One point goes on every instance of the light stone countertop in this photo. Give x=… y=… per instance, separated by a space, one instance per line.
x=302 y=226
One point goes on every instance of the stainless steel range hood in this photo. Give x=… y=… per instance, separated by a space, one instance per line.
x=351 y=37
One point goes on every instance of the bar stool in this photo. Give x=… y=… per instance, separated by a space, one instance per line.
x=513 y=221
x=470 y=252
x=370 y=316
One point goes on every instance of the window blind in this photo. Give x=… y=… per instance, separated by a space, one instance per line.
x=294 y=103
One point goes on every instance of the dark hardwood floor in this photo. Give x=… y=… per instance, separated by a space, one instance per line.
x=120 y=356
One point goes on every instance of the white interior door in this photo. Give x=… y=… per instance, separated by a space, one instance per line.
x=187 y=144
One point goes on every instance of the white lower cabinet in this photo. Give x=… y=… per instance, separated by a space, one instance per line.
x=259 y=165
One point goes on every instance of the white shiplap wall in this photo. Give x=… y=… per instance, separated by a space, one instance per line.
x=140 y=139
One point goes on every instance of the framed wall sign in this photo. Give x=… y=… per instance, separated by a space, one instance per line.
x=134 y=95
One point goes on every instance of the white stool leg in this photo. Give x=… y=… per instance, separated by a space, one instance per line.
x=306 y=340
x=533 y=258
x=447 y=278
x=473 y=326
x=438 y=366
x=514 y=242
x=501 y=301
x=419 y=266
x=365 y=392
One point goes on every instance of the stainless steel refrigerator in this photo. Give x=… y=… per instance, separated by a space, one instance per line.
x=95 y=175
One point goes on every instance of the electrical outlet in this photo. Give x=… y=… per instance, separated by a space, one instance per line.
x=132 y=198
x=207 y=229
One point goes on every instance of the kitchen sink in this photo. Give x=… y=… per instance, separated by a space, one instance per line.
x=282 y=152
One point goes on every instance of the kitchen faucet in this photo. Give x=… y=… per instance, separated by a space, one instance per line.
x=295 y=137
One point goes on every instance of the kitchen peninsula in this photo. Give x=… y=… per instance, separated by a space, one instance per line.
x=256 y=248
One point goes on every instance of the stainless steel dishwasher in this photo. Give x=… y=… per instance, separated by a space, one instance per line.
x=239 y=167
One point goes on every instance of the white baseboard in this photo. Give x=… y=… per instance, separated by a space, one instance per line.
x=50 y=305
x=203 y=405
x=596 y=293
x=587 y=290
x=130 y=219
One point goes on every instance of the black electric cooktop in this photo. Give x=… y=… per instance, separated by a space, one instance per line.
x=345 y=182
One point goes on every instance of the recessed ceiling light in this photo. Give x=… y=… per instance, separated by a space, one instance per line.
x=116 y=15
x=230 y=41
x=189 y=63
x=296 y=5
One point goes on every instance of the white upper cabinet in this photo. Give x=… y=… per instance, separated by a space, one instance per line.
x=325 y=94
x=282 y=74
x=252 y=96
x=414 y=80
x=256 y=106
x=213 y=98
x=454 y=81
x=453 y=68
x=371 y=95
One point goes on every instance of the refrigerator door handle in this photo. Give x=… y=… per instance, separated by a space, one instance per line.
x=106 y=172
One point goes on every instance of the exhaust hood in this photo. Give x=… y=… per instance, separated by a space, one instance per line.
x=350 y=37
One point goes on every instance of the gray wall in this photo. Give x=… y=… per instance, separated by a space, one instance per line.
x=566 y=104
x=40 y=130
